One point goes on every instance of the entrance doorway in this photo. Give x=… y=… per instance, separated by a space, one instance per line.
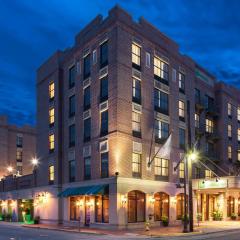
x=87 y=211
x=25 y=210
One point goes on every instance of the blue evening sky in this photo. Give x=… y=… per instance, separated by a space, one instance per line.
x=30 y=31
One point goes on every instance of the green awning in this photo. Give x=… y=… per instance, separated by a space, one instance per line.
x=86 y=190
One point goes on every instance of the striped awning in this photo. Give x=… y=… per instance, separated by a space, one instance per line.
x=85 y=190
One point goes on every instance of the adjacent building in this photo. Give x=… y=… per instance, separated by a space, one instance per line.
x=17 y=148
x=105 y=108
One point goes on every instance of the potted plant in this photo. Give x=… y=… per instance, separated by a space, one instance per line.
x=217 y=216
x=8 y=217
x=199 y=217
x=165 y=221
x=37 y=220
x=233 y=216
x=183 y=218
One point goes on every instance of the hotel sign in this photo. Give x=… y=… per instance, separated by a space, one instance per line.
x=221 y=183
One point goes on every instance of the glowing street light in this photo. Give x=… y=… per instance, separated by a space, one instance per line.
x=10 y=169
x=35 y=162
x=193 y=155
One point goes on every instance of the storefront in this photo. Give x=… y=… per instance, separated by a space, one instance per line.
x=25 y=210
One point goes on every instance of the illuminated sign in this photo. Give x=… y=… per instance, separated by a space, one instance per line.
x=221 y=183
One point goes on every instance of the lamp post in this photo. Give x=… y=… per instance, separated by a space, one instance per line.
x=35 y=163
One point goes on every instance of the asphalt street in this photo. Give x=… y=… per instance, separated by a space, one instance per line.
x=17 y=232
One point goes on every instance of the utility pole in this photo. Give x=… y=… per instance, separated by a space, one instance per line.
x=189 y=170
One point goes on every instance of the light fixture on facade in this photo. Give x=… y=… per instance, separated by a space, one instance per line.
x=35 y=162
x=152 y=200
x=79 y=203
x=123 y=200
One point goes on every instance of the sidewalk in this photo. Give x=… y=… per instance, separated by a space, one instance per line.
x=203 y=228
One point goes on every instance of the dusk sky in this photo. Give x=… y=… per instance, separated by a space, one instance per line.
x=30 y=31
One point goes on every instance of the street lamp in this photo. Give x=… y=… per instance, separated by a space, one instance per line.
x=35 y=162
x=10 y=169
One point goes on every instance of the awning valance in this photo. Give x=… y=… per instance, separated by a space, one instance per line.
x=85 y=190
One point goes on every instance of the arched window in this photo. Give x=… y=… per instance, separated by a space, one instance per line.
x=230 y=206
x=136 y=206
x=180 y=205
x=161 y=206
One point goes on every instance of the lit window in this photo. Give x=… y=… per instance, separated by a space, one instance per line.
x=197 y=120
x=19 y=155
x=229 y=152
x=181 y=82
x=238 y=114
x=136 y=55
x=181 y=110
x=51 y=142
x=161 y=167
x=51 y=174
x=136 y=164
x=238 y=134
x=136 y=124
x=148 y=59
x=51 y=90
x=208 y=173
x=51 y=116
x=161 y=71
x=229 y=130
x=181 y=170
x=238 y=155
x=136 y=91
x=209 y=125
x=229 y=108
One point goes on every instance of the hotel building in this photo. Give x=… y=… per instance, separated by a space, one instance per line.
x=106 y=106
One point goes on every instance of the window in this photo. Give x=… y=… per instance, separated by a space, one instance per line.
x=86 y=98
x=86 y=66
x=161 y=131
x=72 y=106
x=104 y=123
x=210 y=149
x=75 y=208
x=87 y=168
x=71 y=77
x=238 y=134
x=209 y=125
x=197 y=120
x=182 y=141
x=238 y=114
x=238 y=155
x=208 y=173
x=181 y=170
x=104 y=54
x=136 y=206
x=230 y=153
x=51 y=90
x=197 y=96
x=160 y=101
x=87 y=129
x=104 y=89
x=136 y=91
x=209 y=103
x=161 y=206
x=51 y=116
x=51 y=142
x=161 y=167
x=72 y=135
x=136 y=164
x=19 y=140
x=72 y=170
x=136 y=124
x=148 y=60
x=161 y=71
x=181 y=110
x=136 y=56
x=230 y=206
x=104 y=165
x=51 y=174
x=229 y=109
x=229 y=131
x=180 y=206
x=102 y=209
x=19 y=155
x=94 y=56
x=181 y=82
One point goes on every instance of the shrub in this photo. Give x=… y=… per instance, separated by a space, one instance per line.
x=217 y=216
x=165 y=221
x=233 y=216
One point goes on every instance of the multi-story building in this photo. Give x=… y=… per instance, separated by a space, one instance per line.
x=115 y=115
x=17 y=148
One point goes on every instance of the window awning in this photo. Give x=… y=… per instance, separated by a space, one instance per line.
x=86 y=190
